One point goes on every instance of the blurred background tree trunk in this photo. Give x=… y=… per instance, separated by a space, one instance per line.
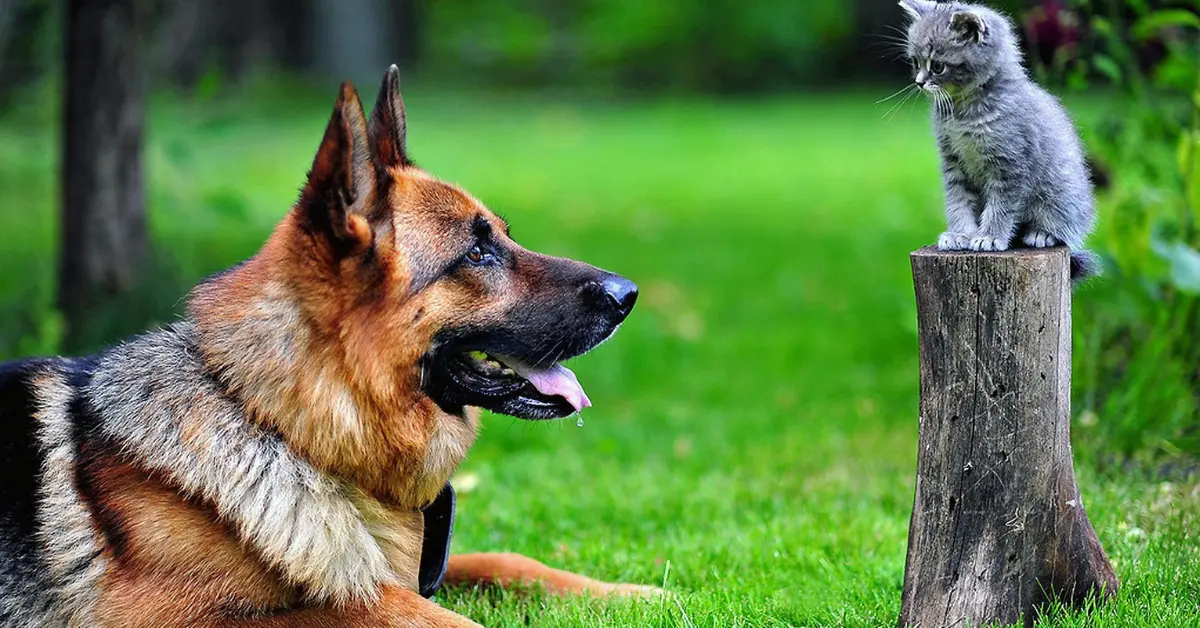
x=103 y=238
x=407 y=20
x=20 y=35
x=230 y=37
x=353 y=36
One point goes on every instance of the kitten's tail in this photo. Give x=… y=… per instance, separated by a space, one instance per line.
x=1085 y=265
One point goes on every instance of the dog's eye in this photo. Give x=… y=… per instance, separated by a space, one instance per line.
x=937 y=67
x=478 y=256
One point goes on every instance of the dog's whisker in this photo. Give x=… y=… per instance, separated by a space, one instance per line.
x=553 y=348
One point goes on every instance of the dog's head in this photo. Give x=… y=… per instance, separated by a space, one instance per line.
x=418 y=279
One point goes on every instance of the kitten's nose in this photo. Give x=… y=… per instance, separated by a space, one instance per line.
x=922 y=78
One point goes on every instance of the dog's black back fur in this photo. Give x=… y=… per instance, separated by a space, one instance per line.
x=20 y=455
x=21 y=460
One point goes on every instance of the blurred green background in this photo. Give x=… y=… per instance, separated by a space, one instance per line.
x=754 y=438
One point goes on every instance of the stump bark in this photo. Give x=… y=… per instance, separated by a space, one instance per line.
x=998 y=526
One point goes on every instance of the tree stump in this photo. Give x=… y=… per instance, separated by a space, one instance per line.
x=998 y=527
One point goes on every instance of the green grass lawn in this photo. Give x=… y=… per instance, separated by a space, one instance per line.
x=753 y=442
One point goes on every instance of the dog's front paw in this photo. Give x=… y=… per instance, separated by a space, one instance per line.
x=953 y=241
x=1040 y=239
x=985 y=243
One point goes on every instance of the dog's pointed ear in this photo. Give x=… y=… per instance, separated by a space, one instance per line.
x=388 y=130
x=917 y=8
x=340 y=174
x=969 y=27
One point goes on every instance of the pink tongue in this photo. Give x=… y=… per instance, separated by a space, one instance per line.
x=557 y=380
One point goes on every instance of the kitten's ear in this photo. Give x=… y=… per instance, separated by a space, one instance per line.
x=917 y=8
x=969 y=27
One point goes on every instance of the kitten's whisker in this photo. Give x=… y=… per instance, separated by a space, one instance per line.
x=907 y=91
x=896 y=107
x=890 y=39
x=890 y=47
x=913 y=99
x=900 y=55
x=898 y=92
x=902 y=109
x=947 y=102
x=932 y=95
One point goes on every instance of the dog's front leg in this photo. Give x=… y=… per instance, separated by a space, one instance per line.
x=398 y=608
x=509 y=570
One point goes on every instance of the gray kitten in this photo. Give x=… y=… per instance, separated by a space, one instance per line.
x=1012 y=162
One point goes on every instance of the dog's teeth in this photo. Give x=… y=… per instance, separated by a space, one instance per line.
x=488 y=364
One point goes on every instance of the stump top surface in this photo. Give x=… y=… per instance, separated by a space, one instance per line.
x=1020 y=253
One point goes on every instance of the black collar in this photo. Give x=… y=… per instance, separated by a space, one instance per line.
x=435 y=547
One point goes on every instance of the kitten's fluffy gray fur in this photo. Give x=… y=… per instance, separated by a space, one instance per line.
x=1012 y=163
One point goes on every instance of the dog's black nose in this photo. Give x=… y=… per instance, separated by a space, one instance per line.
x=623 y=293
x=612 y=294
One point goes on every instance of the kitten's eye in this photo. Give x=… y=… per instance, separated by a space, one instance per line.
x=937 y=67
x=478 y=256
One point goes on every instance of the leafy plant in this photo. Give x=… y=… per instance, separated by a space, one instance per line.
x=722 y=45
x=1140 y=323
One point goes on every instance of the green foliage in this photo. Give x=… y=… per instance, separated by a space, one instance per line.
x=30 y=330
x=1140 y=323
x=669 y=44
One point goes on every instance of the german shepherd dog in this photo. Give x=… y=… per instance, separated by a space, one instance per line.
x=281 y=455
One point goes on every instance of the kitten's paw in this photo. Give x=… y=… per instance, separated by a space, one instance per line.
x=984 y=243
x=953 y=241
x=1040 y=239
